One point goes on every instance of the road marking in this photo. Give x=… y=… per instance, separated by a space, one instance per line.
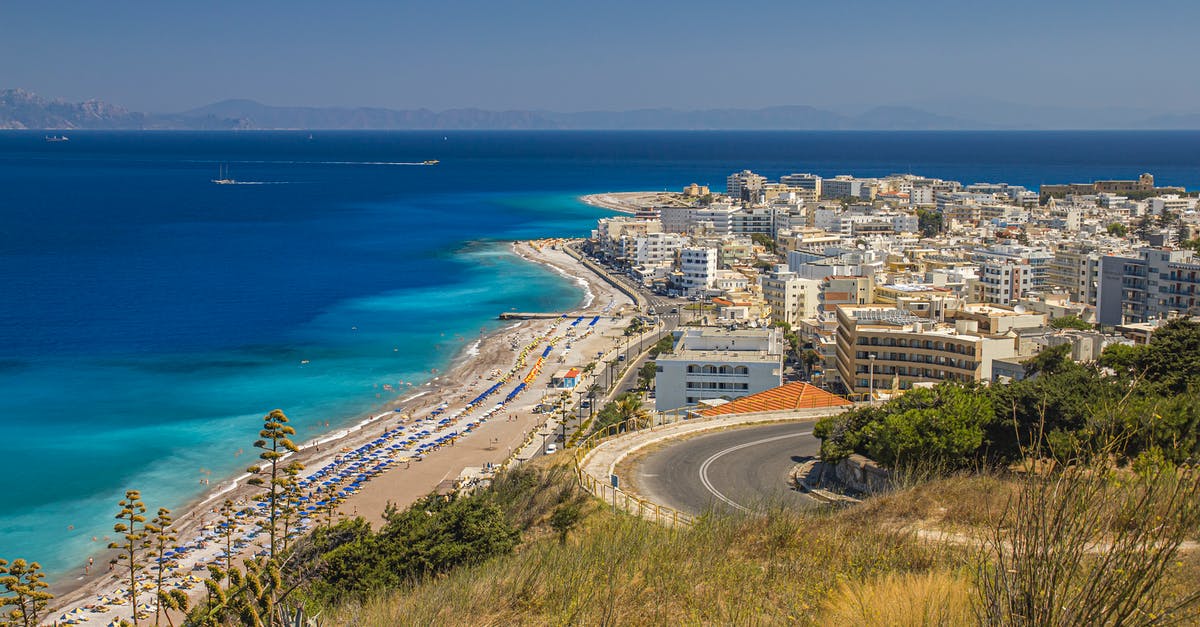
x=708 y=462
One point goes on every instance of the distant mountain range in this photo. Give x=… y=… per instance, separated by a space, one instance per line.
x=20 y=109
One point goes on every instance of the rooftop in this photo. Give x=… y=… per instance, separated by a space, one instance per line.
x=795 y=395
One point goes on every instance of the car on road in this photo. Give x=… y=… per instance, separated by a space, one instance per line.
x=551 y=448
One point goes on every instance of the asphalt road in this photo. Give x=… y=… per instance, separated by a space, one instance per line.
x=741 y=469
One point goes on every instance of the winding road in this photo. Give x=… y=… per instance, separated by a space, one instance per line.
x=736 y=470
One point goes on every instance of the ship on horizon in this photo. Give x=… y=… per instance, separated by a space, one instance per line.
x=57 y=138
x=223 y=176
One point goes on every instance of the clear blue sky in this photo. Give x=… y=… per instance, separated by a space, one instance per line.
x=612 y=54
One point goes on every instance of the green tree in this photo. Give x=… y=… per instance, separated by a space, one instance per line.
x=1192 y=244
x=275 y=442
x=646 y=374
x=1050 y=361
x=25 y=592
x=930 y=223
x=132 y=527
x=1069 y=322
x=664 y=346
x=635 y=326
x=764 y=240
x=943 y=435
x=564 y=519
x=161 y=539
x=1118 y=229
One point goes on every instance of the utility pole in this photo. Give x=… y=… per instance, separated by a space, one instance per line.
x=871 y=380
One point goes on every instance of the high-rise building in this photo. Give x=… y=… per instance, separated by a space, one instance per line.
x=1156 y=283
x=744 y=185
x=698 y=267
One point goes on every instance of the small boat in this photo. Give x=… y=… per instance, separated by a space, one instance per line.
x=430 y=162
x=57 y=138
x=223 y=176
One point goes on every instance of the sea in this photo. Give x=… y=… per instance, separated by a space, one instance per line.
x=149 y=318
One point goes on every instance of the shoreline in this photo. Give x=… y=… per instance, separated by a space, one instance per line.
x=473 y=367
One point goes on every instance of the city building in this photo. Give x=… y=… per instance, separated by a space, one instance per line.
x=744 y=185
x=1156 y=283
x=881 y=348
x=790 y=297
x=810 y=182
x=698 y=268
x=709 y=363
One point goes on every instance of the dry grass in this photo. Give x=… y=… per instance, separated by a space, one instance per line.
x=936 y=598
x=858 y=566
x=963 y=501
x=621 y=570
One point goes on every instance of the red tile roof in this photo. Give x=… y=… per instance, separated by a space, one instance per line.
x=795 y=395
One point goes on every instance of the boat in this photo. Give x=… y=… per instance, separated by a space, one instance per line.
x=57 y=138
x=430 y=162
x=223 y=176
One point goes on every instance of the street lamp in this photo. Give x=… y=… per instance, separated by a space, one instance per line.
x=871 y=380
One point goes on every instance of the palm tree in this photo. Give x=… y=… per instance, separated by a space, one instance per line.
x=629 y=408
x=593 y=391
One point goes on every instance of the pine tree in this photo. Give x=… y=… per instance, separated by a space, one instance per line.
x=131 y=515
x=275 y=442
x=162 y=539
x=25 y=591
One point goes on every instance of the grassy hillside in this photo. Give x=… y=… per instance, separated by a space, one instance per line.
x=874 y=564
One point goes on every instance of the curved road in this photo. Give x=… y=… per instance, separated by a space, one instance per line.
x=739 y=469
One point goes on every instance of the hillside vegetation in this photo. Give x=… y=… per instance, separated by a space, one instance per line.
x=938 y=554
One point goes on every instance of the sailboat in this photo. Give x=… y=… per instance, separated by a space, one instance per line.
x=223 y=176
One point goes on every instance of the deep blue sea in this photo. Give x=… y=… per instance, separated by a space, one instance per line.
x=149 y=318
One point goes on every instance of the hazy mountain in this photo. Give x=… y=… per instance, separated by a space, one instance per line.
x=21 y=109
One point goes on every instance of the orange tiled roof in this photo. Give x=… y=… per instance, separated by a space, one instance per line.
x=796 y=395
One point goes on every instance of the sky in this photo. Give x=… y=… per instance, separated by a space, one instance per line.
x=566 y=55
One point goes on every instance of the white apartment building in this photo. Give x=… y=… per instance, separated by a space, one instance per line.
x=657 y=248
x=698 y=267
x=1170 y=203
x=617 y=236
x=790 y=297
x=710 y=363
x=716 y=218
x=748 y=220
x=1004 y=281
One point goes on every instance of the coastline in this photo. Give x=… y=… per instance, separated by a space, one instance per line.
x=622 y=202
x=491 y=442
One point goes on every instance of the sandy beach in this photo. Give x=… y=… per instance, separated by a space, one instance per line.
x=411 y=444
x=625 y=202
